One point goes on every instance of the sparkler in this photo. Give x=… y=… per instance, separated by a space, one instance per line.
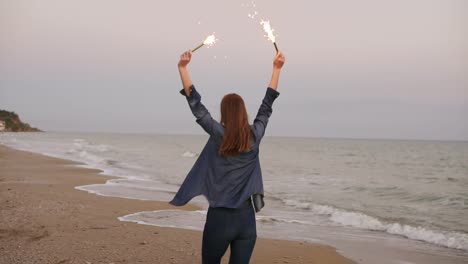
x=267 y=28
x=210 y=41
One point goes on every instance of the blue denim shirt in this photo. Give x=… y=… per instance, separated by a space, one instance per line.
x=225 y=182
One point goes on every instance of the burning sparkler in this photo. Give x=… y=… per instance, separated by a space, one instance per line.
x=267 y=28
x=209 y=41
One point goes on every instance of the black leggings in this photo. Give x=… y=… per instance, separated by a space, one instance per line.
x=229 y=226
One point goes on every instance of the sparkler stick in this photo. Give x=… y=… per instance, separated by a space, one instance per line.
x=199 y=46
x=210 y=41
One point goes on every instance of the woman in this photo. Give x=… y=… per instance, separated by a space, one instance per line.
x=227 y=172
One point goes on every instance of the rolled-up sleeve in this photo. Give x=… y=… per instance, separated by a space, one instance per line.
x=203 y=116
x=264 y=112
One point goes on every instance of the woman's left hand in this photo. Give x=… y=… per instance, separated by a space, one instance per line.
x=185 y=58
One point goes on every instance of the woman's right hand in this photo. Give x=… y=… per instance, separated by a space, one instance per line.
x=185 y=58
x=279 y=60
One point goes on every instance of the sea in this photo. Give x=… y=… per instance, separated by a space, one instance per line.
x=375 y=201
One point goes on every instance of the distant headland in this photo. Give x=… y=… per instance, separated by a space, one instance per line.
x=10 y=122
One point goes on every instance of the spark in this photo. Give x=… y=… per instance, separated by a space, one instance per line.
x=210 y=40
x=267 y=28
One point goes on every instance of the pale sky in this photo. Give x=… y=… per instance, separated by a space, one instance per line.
x=354 y=68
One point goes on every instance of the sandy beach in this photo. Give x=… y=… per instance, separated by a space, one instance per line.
x=43 y=219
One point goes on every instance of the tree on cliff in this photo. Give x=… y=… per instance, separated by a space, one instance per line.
x=13 y=122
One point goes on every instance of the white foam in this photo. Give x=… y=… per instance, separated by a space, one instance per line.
x=448 y=239
x=192 y=220
x=189 y=154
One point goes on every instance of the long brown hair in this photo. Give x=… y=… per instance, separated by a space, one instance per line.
x=236 y=138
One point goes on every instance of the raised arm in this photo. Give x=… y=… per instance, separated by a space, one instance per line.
x=203 y=116
x=277 y=65
x=265 y=110
x=184 y=74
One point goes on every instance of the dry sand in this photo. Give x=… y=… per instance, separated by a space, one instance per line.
x=43 y=219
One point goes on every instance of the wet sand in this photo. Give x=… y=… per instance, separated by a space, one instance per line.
x=43 y=219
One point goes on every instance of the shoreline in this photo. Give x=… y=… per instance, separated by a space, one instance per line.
x=45 y=219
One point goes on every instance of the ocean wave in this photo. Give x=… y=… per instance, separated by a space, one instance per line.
x=81 y=144
x=360 y=220
x=94 y=155
x=272 y=219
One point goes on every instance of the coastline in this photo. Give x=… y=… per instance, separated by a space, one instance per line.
x=44 y=219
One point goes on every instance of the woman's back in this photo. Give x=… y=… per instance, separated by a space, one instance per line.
x=225 y=181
